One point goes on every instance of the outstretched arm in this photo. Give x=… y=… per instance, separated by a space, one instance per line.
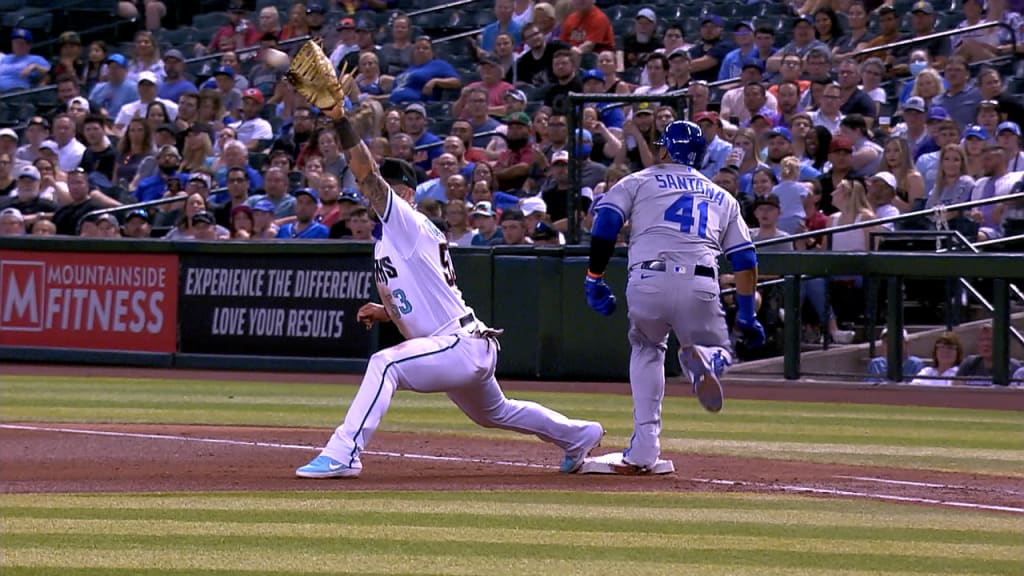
x=361 y=162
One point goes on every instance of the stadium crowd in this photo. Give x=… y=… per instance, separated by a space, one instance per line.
x=806 y=129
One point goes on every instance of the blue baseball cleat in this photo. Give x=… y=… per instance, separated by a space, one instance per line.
x=326 y=467
x=706 y=384
x=574 y=458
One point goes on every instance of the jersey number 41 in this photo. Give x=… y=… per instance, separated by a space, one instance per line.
x=681 y=212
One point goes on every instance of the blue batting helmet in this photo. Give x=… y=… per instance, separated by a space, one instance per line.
x=684 y=142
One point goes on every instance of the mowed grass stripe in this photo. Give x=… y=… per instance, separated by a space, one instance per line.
x=73 y=547
x=473 y=535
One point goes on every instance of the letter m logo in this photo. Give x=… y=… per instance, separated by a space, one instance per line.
x=21 y=296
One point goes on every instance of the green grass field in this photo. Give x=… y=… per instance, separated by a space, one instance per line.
x=496 y=533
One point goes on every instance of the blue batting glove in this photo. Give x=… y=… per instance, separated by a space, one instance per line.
x=599 y=295
x=746 y=321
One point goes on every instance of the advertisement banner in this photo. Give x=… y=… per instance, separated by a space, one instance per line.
x=275 y=305
x=125 y=302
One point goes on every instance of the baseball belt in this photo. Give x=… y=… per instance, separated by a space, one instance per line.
x=662 y=266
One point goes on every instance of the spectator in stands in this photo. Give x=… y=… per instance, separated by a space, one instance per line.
x=853 y=99
x=270 y=21
x=396 y=56
x=827 y=27
x=733 y=104
x=872 y=71
x=988 y=118
x=656 y=66
x=535 y=66
x=69 y=59
x=974 y=140
x=947 y=353
x=977 y=368
x=37 y=131
x=678 y=69
x=991 y=85
x=242 y=224
x=347 y=42
x=175 y=84
x=565 y=81
x=913 y=128
x=12 y=222
x=793 y=196
x=522 y=12
x=927 y=85
x=238 y=193
x=229 y=97
x=361 y=225
x=459 y=232
x=188 y=110
x=944 y=131
x=52 y=180
x=718 y=150
x=707 y=55
x=503 y=11
x=485 y=222
x=802 y=43
x=275 y=190
x=643 y=40
x=521 y=161
x=953 y=185
x=426 y=74
x=80 y=203
x=1008 y=135
x=263 y=220
x=95 y=65
x=491 y=82
x=137 y=224
x=7 y=180
x=415 y=121
x=909 y=186
x=888 y=32
x=961 y=99
x=881 y=193
x=307 y=203
x=744 y=158
x=745 y=54
x=348 y=203
x=117 y=91
x=238 y=33
x=867 y=155
x=372 y=84
x=998 y=181
x=133 y=148
x=513 y=229
x=296 y=26
x=810 y=143
x=252 y=129
x=445 y=166
x=27 y=199
x=153 y=187
x=147 y=94
x=922 y=23
x=69 y=149
x=549 y=20
x=780 y=145
x=878 y=367
x=587 y=29
x=20 y=69
x=156 y=116
x=146 y=58
x=198 y=149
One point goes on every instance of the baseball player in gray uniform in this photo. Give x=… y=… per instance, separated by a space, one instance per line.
x=681 y=222
x=447 y=349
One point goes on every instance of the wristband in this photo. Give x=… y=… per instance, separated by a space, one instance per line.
x=346 y=133
x=745 y=303
x=594 y=276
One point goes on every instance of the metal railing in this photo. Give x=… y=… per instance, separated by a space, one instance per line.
x=241 y=51
x=144 y=205
x=488 y=134
x=937 y=35
x=440 y=7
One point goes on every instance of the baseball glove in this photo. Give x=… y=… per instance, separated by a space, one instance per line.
x=313 y=76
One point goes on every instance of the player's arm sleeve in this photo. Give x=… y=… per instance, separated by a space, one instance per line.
x=612 y=211
x=735 y=241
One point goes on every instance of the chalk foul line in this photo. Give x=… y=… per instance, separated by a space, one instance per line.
x=791 y=488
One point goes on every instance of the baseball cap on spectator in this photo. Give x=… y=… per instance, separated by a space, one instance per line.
x=395 y=170
x=922 y=7
x=1004 y=127
x=346 y=24
x=13 y=212
x=769 y=200
x=49 y=145
x=489 y=59
x=592 y=74
x=753 y=63
x=914 y=103
x=365 y=25
x=9 y=133
x=174 y=53
x=643 y=108
x=263 y=206
x=147 y=76
x=562 y=156
x=533 y=205
x=168 y=149
x=254 y=94
x=140 y=213
x=21 y=34
x=989 y=104
x=314 y=8
x=118 y=59
x=516 y=94
x=937 y=113
x=417 y=108
x=224 y=71
x=840 y=144
x=781 y=131
x=29 y=171
x=39 y=121
x=350 y=195
x=713 y=18
x=109 y=218
x=882 y=10
x=203 y=216
x=744 y=24
x=807 y=19
x=544 y=232
x=518 y=118
x=648 y=14
x=976 y=131
x=706 y=115
x=886 y=177
x=764 y=115
x=69 y=37
x=80 y=100
x=307 y=192
x=200 y=128
x=679 y=53
x=483 y=209
x=169 y=128
x=199 y=177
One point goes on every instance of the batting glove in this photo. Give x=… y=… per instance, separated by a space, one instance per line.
x=599 y=295
x=746 y=321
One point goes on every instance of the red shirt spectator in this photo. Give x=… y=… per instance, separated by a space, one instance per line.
x=588 y=28
x=242 y=32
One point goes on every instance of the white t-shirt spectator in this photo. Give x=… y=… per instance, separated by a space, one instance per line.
x=253 y=129
x=138 y=109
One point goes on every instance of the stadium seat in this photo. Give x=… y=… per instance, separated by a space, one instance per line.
x=212 y=20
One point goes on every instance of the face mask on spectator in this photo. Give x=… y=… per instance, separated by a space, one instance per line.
x=916 y=67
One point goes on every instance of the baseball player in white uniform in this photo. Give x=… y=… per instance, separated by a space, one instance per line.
x=681 y=222
x=447 y=349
